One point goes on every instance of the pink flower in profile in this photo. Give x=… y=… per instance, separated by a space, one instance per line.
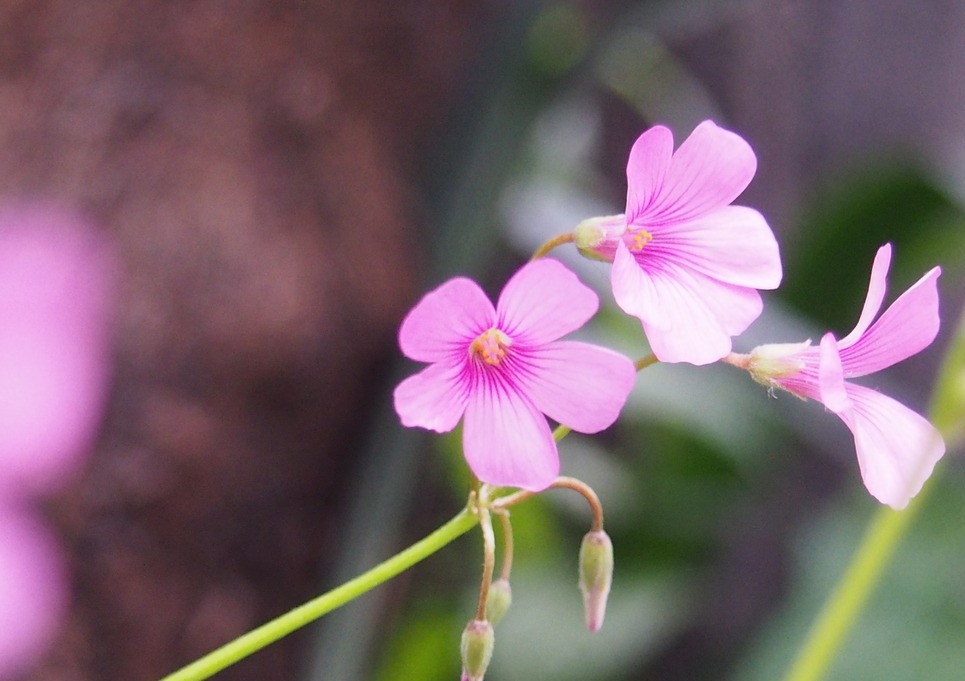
x=504 y=367
x=686 y=262
x=897 y=448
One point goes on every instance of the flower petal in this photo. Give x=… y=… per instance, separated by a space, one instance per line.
x=54 y=307
x=908 y=326
x=647 y=168
x=33 y=592
x=507 y=442
x=733 y=244
x=445 y=320
x=897 y=448
x=580 y=385
x=876 y=294
x=831 y=377
x=435 y=398
x=709 y=170
x=687 y=316
x=544 y=301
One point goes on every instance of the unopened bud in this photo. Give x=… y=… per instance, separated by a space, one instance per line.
x=596 y=574
x=498 y=600
x=477 y=649
x=596 y=238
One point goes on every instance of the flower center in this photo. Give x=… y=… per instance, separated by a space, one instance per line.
x=638 y=240
x=490 y=346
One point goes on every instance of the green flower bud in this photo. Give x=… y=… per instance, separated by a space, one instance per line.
x=477 y=649
x=596 y=574
x=498 y=600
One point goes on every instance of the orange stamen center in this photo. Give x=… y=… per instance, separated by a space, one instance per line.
x=639 y=239
x=490 y=346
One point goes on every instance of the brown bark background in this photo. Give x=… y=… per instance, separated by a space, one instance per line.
x=252 y=163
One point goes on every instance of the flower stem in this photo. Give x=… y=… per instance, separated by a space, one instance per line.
x=558 y=240
x=489 y=559
x=841 y=611
x=256 y=639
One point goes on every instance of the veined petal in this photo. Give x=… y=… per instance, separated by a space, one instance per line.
x=709 y=170
x=897 y=448
x=831 y=377
x=732 y=244
x=448 y=316
x=687 y=316
x=876 y=294
x=544 y=301
x=435 y=398
x=908 y=326
x=647 y=168
x=577 y=384
x=507 y=442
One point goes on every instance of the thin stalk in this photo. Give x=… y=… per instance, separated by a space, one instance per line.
x=256 y=639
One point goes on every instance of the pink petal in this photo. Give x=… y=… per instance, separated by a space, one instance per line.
x=709 y=170
x=908 y=326
x=446 y=320
x=544 y=301
x=507 y=442
x=732 y=244
x=647 y=168
x=876 y=294
x=687 y=317
x=54 y=299
x=897 y=448
x=831 y=377
x=435 y=398
x=33 y=592
x=582 y=386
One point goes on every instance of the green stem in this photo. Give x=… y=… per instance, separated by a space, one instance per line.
x=844 y=605
x=279 y=627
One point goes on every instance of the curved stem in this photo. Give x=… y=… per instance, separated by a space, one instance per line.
x=256 y=639
x=489 y=559
x=564 y=482
x=558 y=240
x=507 y=527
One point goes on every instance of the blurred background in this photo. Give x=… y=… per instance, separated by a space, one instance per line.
x=281 y=179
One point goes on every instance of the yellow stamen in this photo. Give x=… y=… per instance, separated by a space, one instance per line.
x=640 y=239
x=490 y=346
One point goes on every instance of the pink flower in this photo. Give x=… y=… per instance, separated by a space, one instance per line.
x=503 y=368
x=897 y=448
x=33 y=593
x=53 y=376
x=53 y=346
x=686 y=262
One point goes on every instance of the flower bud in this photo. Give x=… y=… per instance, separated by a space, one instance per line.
x=596 y=574
x=498 y=600
x=596 y=237
x=477 y=649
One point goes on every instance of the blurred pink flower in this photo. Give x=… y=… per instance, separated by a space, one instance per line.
x=33 y=593
x=897 y=448
x=53 y=336
x=53 y=372
x=504 y=368
x=686 y=262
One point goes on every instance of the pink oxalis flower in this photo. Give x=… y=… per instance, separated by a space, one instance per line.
x=686 y=262
x=504 y=367
x=53 y=376
x=897 y=448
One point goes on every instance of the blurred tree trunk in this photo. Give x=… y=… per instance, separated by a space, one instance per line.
x=254 y=164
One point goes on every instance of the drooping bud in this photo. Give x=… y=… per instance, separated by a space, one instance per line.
x=596 y=575
x=596 y=238
x=477 y=649
x=498 y=600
